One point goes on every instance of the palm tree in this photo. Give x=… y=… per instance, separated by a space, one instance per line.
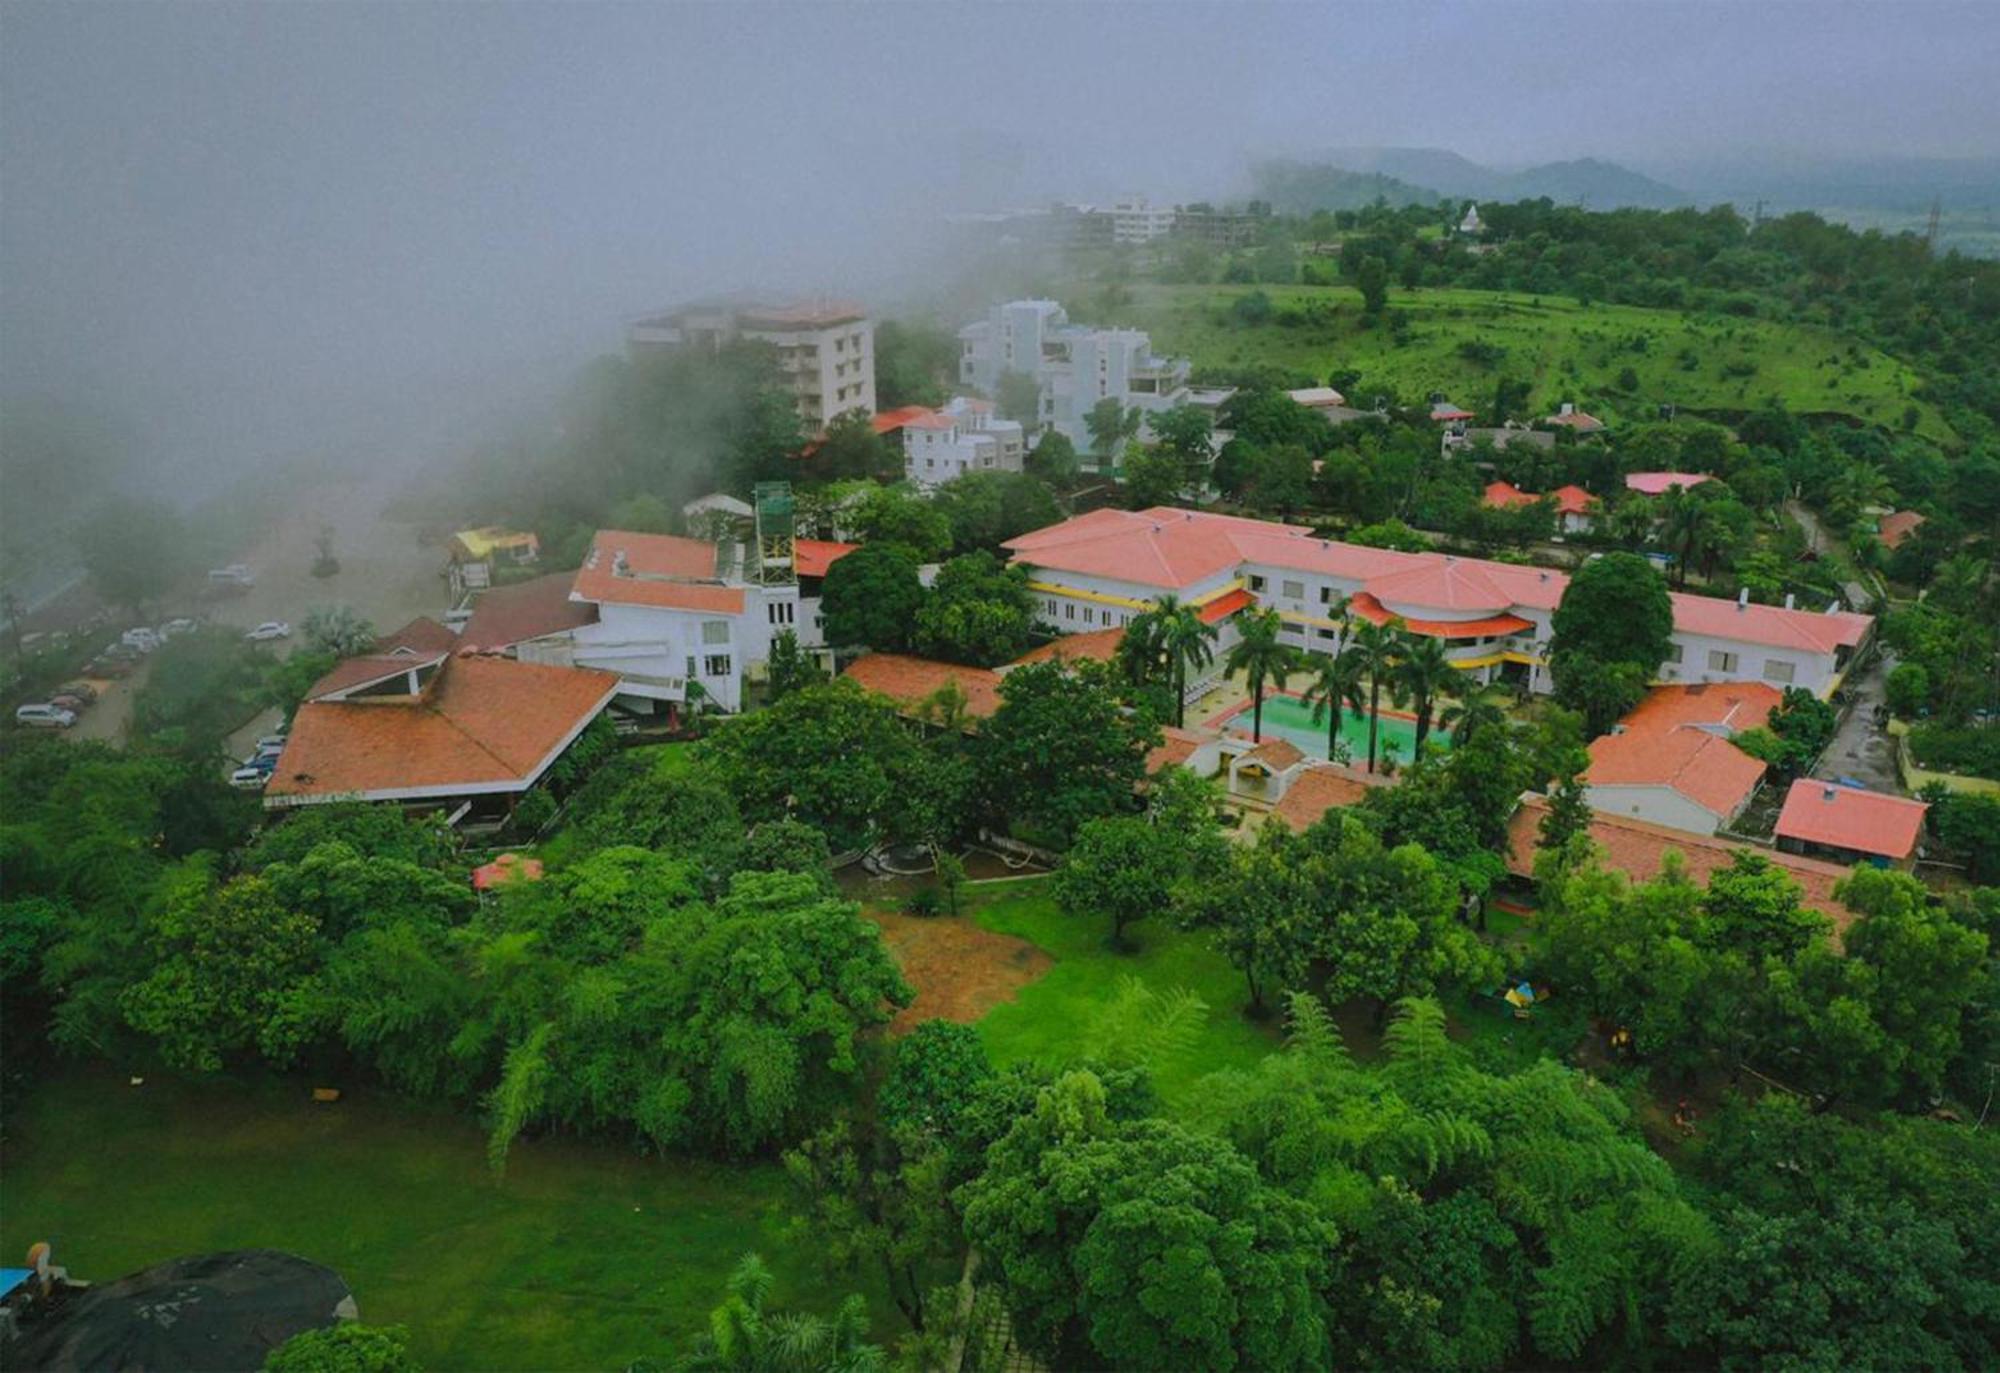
x=1259 y=657
x=1378 y=647
x=1336 y=685
x=1141 y=653
x=744 y=1337
x=1484 y=708
x=1188 y=644
x=1686 y=521
x=1421 y=674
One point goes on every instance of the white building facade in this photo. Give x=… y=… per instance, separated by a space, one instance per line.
x=964 y=436
x=825 y=348
x=1074 y=367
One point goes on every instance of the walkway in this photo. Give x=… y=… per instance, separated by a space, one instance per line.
x=1862 y=749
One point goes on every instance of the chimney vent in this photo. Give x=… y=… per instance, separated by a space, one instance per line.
x=1743 y=598
x=1789 y=598
x=1829 y=794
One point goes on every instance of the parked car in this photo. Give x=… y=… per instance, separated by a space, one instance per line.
x=179 y=625
x=46 y=715
x=270 y=629
x=234 y=575
x=266 y=753
x=121 y=652
x=108 y=667
x=83 y=691
x=141 y=638
x=271 y=741
x=249 y=779
x=73 y=704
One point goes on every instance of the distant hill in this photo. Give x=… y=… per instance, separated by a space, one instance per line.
x=1906 y=184
x=1302 y=188
x=1588 y=181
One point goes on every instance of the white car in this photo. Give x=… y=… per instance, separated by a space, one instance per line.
x=249 y=779
x=271 y=743
x=142 y=638
x=174 y=627
x=270 y=629
x=45 y=716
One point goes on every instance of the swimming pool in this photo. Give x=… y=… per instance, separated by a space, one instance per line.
x=1287 y=717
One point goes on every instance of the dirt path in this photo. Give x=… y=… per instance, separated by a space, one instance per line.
x=960 y=970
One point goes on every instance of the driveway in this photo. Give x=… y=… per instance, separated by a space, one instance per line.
x=1862 y=749
x=1818 y=538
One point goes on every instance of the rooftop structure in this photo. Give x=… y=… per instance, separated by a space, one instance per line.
x=1639 y=850
x=825 y=347
x=912 y=682
x=1074 y=367
x=1322 y=788
x=1444 y=412
x=1659 y=483
x=1671 y=762
x=1849 y=824
x=1567 y=416
x=508 y=616
x=963 y=436
x=1099 y=569
x=472 y=555
x=1893 y=529
x=1318 y=397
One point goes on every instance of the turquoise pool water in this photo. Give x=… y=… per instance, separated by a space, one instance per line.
x=1287 y=717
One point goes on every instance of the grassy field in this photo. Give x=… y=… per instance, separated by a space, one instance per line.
x=584 y=1256
x=1051 y=1016
x=1568 y=351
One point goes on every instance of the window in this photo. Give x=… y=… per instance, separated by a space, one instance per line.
x=715 y=631
x=1674 y=653
x=716 y=665
x=1089 y=616
x=1778 y=670
x=690 y=666
x=1328 y=634
x=1069 y=612
x=781 y=612
x=1292 y=591
x=1256 y=583
x=1718 y=661
x=1326 y=595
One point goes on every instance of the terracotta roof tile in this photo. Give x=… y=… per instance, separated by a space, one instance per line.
x=1893 y=529
x=1097 y=645
x=1659 y=483
x=1639 y=850
x=1319 y=789
x=1276 y=754
x=812 y=557
x=1505 y=495
x=1176 y=747
x=1671 y=740
x=488 y=724
x=507 y=615
x=423 y=640
x=909 y=681
x=662 y=570
x=1841 y=817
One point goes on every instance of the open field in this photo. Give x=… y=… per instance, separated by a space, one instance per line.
x=1568 y=351
x=584 y=1256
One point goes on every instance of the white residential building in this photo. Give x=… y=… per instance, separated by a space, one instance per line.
x=964 y=436
x=1098 y=570
x=1133 y=220
x=673 y=613
x=826 y=348
x=1073 y=367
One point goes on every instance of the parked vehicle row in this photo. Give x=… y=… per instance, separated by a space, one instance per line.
x=256 y=770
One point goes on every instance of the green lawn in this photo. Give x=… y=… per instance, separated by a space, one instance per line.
x=1050 y=1017
x=1568 y=351
x=584 y=1256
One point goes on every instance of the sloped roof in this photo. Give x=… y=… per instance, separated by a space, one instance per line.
x=1671 y=740
x=1841 y=817
x=421 y=641
x=1366 y=607
x=1172 y=549
x=1639 y=850
x=1097 y=645
x=487 y=724
x=484 y=542
x=812 y=557
x=1320 y=789
x=909 y=681
x=661 y=570
x=507 y=615
x=1893 y=529
x=1275 y=753
x=1503 y=495
x=1658 y=483
x=1577 y=420
x=1176 y=747
x=1573 y=500
x=889 y=421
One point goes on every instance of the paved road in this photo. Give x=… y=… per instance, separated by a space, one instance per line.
x=1861 y=749
x=1817 y=538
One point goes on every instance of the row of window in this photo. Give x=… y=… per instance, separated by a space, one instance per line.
x=713 y=665
x=840 y=344
x=1722 y=660
x=1112 y=619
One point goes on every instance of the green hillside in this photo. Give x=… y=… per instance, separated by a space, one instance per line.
x=1460 y=342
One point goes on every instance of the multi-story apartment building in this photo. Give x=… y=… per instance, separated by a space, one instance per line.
x=825 y=348
x=1074 y=367
x=1134 y=220
x=1204 y=223
x=964 y=436
x=1098 y=570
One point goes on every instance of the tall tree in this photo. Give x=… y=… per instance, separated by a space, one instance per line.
x=1261 y=657
x=1110 y=425
x=1423 y=673
x=1338 y=682
x=871 y=598
x=1376 y=649
x=1062 y=750
x=1184 y=640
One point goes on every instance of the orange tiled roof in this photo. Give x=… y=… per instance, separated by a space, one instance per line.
x=487 y=724
x=1318 y=790
x=1504 y=495
x=812 y=557
x=507 y=615
x=1895 y=528
x=662 y=570
x=1577 y=420
x=1176 y=747
x=1659 y=483
x=1840 y=817
x=1276 y=754
x=1097 y=645
x=422 y=640
x=909 y=681
x=1639 y=850
x=1573 y=500
x=1663 y=743
x=1225 y=605
x=1366 y=607
x=889 y=421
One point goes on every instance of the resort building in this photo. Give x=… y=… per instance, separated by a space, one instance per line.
x=416 y=722
x=1073 y=367
x=1659 y=483
x=964 y=436
x=1574 y=505
x=1568 y=417
x=1670 y=762
x=1134 y=220
x=1848 y=825
x=825 y=348
x=473 y=556
x=1098 y=570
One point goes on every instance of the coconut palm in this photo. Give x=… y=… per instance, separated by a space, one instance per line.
x=1188 y=643
x=1484 y=708
x=1336 y=685
x=744 y=1337
x=1378 y=647
x=1423 y=670
x=1259 y=656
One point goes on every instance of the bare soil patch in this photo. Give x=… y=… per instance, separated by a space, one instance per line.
x=960 y=971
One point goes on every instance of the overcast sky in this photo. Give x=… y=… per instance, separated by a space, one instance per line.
x=243 y=227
